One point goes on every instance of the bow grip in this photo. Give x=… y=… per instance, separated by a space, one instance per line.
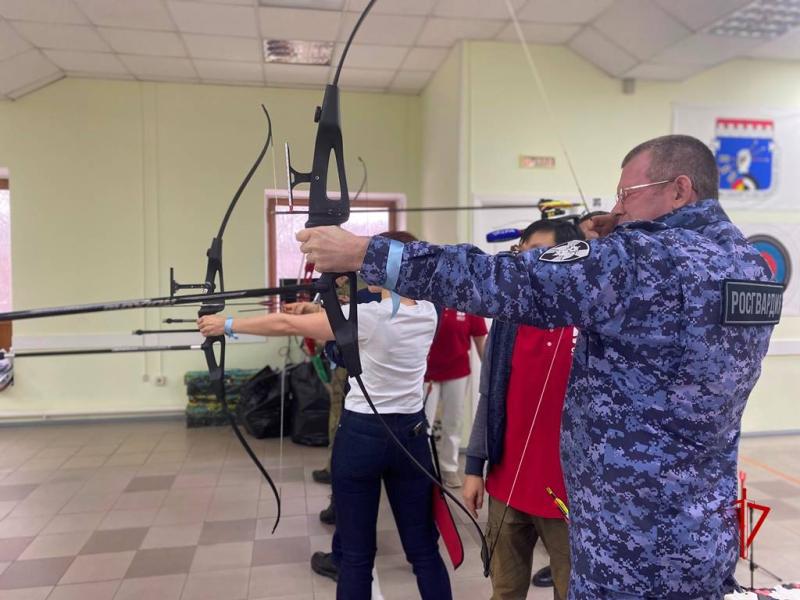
x=216 y=368
x=213 y=278
x=345 y=330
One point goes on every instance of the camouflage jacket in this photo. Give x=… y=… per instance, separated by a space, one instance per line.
x=651 y=421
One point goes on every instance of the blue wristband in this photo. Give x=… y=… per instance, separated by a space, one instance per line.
x=393 y=262
x=229 y=329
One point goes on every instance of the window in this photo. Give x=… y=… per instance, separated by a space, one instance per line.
x=5 y=247
x=284 y=259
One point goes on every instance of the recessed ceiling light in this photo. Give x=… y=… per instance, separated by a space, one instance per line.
x=297 y=52
x=761 y=19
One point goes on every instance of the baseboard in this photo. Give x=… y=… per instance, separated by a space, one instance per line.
x=52 y=418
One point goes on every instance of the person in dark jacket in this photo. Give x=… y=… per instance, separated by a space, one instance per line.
x=675 y=311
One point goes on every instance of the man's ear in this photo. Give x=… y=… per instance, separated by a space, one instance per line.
x=684 y=191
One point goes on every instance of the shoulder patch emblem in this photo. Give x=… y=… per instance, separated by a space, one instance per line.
x=566 y=252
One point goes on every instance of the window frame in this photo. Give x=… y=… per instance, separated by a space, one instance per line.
x=279 y=199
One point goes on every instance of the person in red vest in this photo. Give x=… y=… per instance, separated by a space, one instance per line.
x=447 y=378
x=515 y=439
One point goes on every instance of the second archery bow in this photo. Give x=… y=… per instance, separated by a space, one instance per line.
x=323 y=210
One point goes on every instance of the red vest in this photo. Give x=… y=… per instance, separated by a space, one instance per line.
x=537 y=352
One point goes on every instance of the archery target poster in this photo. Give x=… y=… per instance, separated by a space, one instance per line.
x=757 y=151
x=779 y=245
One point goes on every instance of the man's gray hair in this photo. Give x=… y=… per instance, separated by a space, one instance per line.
x=674 y=155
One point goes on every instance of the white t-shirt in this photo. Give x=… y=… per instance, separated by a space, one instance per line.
x=394 y=356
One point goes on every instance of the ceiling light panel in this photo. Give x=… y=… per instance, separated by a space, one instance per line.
x=762 y=19
x=297 y=52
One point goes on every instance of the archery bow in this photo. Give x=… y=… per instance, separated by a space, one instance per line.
x=214 y=346
x=323 y=210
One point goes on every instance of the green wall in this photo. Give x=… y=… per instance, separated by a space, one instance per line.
x=114 y=182
x=599 y=124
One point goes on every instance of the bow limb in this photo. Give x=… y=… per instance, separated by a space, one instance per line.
x=323 y=210
x=214 y=347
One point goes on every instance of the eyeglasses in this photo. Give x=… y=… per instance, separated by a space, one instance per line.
x=623 y=193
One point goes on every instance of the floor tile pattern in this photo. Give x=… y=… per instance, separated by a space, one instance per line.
x=125 y=511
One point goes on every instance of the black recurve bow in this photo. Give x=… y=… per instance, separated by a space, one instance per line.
x=213 y=347
x=323 y=210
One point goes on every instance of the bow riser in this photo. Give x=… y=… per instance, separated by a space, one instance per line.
x=329 y=139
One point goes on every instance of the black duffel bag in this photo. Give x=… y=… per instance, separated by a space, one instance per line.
x=311 y=404
x=259 y=406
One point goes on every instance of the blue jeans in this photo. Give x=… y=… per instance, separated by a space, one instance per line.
x=363 y=456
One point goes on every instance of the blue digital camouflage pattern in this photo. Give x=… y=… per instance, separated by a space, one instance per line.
x=651 y=421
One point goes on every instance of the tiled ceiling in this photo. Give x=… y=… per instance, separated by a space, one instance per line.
x=399 y=47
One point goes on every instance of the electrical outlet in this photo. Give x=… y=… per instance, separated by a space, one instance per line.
x=160 y=380
x=145 y=378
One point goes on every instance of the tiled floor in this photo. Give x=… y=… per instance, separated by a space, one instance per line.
x=153 y=510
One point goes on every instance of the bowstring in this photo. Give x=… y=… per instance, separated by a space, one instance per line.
x=525 y=447
x=545 y=100
x=288 y=347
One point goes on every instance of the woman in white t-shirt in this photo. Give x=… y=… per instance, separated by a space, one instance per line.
x=394 y=354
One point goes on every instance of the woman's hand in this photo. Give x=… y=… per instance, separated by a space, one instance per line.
x=472 y=492
x=211 y=325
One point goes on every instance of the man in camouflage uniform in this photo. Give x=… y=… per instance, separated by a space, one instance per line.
x=651 y=421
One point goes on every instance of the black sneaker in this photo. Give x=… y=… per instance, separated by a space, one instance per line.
x=328 y=515
x=321 y=476
x=543 y=578
x=322 y=564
